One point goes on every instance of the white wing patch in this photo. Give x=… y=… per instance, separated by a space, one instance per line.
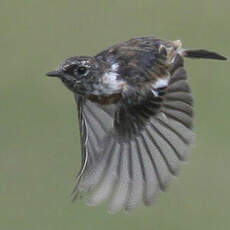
x=111 y=84
x=160 y=83
x=109 y=78
x=115 y=67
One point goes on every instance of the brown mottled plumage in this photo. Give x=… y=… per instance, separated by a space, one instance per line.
x=135 y=112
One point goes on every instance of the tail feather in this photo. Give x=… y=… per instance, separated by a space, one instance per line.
x=201 y=53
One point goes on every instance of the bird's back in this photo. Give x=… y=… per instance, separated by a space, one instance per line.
x=139 y=59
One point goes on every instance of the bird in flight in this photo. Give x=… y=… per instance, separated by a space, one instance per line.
x=135 y=111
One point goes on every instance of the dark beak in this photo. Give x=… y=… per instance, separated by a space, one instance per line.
x=54 y=74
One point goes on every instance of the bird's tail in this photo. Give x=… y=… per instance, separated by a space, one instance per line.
x=201 y=53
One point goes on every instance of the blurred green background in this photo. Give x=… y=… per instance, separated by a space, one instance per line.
x=39 y=140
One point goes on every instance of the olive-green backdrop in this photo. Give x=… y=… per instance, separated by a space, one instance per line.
x=39 y=139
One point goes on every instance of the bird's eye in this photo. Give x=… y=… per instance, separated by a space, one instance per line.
x=81 y=70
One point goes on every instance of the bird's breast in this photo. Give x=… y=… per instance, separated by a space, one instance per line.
x=104 y=99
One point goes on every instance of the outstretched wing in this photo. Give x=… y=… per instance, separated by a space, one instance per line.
x=135 y=110
x=131 y=170
x=95 y=121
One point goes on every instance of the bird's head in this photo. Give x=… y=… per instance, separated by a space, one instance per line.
x=79 y=74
